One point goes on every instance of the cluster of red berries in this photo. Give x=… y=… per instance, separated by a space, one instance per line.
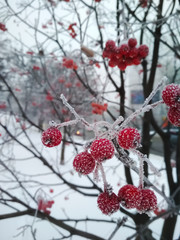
x=72 y=31
x=98 y=108
x=3 y=27
x=69 y=63
x=171 y=97
x=43 y=205
x=126 y=54
x=129 y=196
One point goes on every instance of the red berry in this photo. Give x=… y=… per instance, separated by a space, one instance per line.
x=108 y=203
x=148 y=202
x=124 y=49
x=132 y=42
x=51 y=137
x=113 y=62
x=143 y=51
x=122 y=65
x=129 y=61
x=84 y=163
x=174 y=116
x=129 y=138
x=171 y=95
x=110 y=45
x=107 y=54
x=136 y=60
x=130 y=196
x=143 y=3
x=133 y=52
x=102 y=149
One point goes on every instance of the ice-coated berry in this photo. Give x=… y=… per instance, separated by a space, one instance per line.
x=84 y=163
x=171 y=95
x=148 y=202
x=129 y=138
x=143 y=51
x=132 y=42
x=124 y=49
x=110 y=45
x=51 y=137
x=108 y=203
x=130 y=196
x=174 y=116
x=102 y=149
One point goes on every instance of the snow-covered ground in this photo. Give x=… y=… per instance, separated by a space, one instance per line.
x=68 y=203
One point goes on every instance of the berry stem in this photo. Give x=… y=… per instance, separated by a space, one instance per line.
x=103 y=176
x=152 y=167
x=78 y=118
x=141 y=173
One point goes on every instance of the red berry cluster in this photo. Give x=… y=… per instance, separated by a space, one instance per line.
x=43 y=205
x=72 y=31
x=51 y=137
x=3 y=27
x=129 y=196
x=171 y=97
x=142 y=199
x=98 y=108
x=126 y=54
x=129 y=138
x=69 y=63
x=100 y=150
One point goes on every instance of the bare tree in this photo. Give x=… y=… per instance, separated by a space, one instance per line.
x=69 y=55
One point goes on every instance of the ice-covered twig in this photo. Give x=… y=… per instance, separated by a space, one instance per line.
x=144 y=157
x=117 y=122
x=148 y=99
x=68 y=123
x=138 y=112
x=145 y=107
x=82 y=120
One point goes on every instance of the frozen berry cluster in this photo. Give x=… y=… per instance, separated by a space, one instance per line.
x=127 y=54
x=44 y=205
x=69 y=63
x=171 y=97
x=129 y=196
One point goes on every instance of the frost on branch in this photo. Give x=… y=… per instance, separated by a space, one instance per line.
x=116 y=139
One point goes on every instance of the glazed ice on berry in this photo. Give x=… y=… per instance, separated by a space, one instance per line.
x=130 y=196
x=84 y=163
x=108 y=203
x=51 y=137
x=148 y=202
x=171 y=95
x=129 y=138
x=102 y=149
